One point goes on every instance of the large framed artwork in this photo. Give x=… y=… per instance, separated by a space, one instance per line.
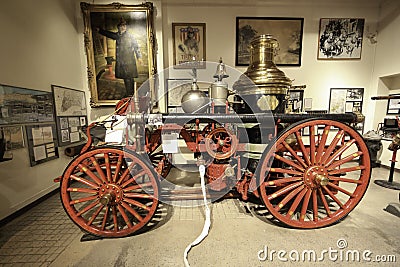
x=189 y=42
x=340 y=38
x=120 y=48
x=288 y=32
x=42 y=143
x=71 y=114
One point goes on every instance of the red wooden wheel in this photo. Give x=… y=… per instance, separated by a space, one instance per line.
x=109 y=192
x=220 y=143
x=315 y=175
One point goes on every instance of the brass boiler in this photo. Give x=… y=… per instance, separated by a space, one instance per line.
x=263 y=86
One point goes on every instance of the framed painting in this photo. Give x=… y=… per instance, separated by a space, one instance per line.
x=288 y=32
x=42 y=143
x=120 y=48
x=340 y=38
x=71 y=114
x=189 y=43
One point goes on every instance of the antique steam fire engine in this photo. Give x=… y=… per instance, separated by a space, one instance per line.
x=309 y=170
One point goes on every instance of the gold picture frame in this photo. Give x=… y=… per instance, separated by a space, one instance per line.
x=112 y=74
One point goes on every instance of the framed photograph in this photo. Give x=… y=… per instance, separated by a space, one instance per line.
x=14 y=136
x=120 y=48
x=21 y=105
x=295 y=101
x=176 y=88
x=393 y=106
x=42 y=143
x=189 y=42
x=340 y=38
x=71 y=114
x=288 y=32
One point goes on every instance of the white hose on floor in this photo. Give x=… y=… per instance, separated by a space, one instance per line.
x=207 y=222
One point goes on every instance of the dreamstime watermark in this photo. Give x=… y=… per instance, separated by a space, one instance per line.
x=334 y=254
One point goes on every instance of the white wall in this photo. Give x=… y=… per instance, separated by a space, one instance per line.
x=39 y=47
x=318 y=75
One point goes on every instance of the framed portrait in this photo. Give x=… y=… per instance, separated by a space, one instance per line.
x=393 y=105
x=120 y=48
x=189 y=42
x=42 y=143
x=288 y=32
x=71 y=114
x=340 y=38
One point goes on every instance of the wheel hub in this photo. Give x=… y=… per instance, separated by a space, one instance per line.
x=315 y=177
x=110 y=194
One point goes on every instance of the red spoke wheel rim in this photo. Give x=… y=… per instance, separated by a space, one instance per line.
x=109 y=192
x=162 y=162
x=317 y=173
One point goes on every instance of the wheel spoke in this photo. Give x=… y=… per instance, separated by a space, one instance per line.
x=315 y=205
x=346 y=180
x=279 y=182
x=289 y=162
x=132 y=211
x=340 y=151
x=82 y=190
x=84 y=181
x=285 y=190
x=340 y=189
x=137 y=195
x=123 y=214
x=141 y=173
x=137 y=203
x=95 y=163
x=115 y=218
x=108 y=167
x=87 y=208
x=118 y=168
x=346 y=170
x=322 y=143
x=125 y=174
x=95 y=214
x=303 y=148
x=105 y=218
x=294 y=154
x=332 y=196
x=286 y=171
x=332 y=146
x=324 y=202
x=344 y=160
x=296 y=202
x=138 y=186
x=80 y=200
x=289 y=197
x=305 y=205
x=312 y=143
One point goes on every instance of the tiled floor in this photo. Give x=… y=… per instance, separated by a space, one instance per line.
x=45 y=236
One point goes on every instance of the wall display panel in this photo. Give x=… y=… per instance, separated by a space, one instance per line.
x=42 y=143
x=340 y=38
x=288 y=32
x=120 y=48
x=13 y=136
x=22 y=105
x=343 y=100
x=71 y=114
x=189 y=41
